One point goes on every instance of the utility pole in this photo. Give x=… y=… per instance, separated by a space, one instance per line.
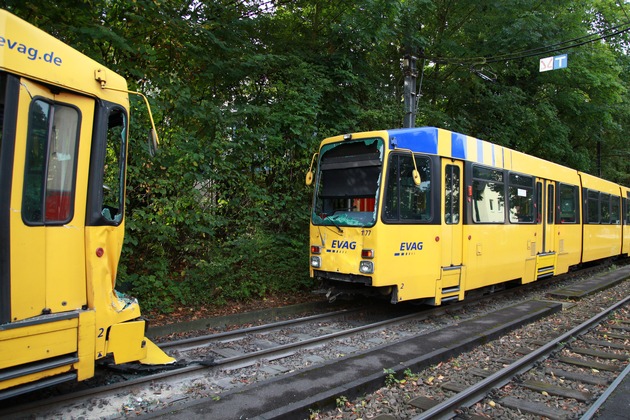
x=411 y=74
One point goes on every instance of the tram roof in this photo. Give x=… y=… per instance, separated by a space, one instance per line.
x=443 y=142
x=28 y=51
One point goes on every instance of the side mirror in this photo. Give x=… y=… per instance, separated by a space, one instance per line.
x=153 y=142
x=309 y=174
x=416 y=177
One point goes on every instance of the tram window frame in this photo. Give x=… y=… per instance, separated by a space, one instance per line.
x=392 y=212
x=627 y=208
x=522 y=206
x=615 y=210
x=567 y=204
x=592 y=212
x=482 y=176
x=551 y=196
x=106 y=205
x=452 y=194
x=50 y=166
x=114 y=167
x=604 y=209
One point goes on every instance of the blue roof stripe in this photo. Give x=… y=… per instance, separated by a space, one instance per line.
x=458 y=145
x=424 y=140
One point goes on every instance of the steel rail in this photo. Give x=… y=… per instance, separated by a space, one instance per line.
x=602 y=399
x=446 y=409
x=257 y=328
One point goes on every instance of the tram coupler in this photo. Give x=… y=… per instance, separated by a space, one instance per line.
x=332 y=295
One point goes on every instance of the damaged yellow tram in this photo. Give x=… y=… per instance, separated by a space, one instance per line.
x=64 y=123
x=427 y=214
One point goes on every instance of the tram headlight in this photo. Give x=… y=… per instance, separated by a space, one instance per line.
x=366 y=267
x=316 y=262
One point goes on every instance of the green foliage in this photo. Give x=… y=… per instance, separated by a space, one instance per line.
x=242 y=93
x=390 y=378
x=341 y=401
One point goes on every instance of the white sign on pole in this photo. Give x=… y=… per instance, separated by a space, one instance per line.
x=553 y=63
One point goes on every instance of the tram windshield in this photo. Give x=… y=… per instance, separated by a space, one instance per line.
x=348 y=181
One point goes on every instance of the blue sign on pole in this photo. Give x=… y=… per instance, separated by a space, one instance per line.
x=553 y=63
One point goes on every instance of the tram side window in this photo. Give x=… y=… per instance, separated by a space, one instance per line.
x=404 y=200
x=592 y=203
x=605 y=208
x=567 y=203
x=488 y=188
x=521 y=196
x=550 y=206
x=627 y=201
x=451 y=195
x=50 y=163
x=114 y=168
x=615 y=210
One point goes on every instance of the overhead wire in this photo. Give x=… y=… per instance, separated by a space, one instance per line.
x=560 y=46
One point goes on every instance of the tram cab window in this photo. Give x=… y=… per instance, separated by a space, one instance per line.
x=567 y=203
x=50 y=163
x=404 y=200
x=488 y=189
x=347 y=183
x=521 y=196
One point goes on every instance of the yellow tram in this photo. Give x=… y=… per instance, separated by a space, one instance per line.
x=64 y=127
x=429 y=214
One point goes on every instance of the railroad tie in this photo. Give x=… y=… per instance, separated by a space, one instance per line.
x=423 y=403
x=599 y=354
x=578 y=377
x=602 y=343
x=589 y=364
x=557 y=390
x=535 y=408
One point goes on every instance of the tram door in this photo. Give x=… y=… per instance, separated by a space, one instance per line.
x=452 y=224
x=546 y=257
x=47 y=239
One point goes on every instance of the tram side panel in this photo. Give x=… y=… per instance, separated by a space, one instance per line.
x=409 y=251
x=500 y=236
x=602 y=228
x=408 y=258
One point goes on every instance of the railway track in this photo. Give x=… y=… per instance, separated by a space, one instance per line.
x=215 y=370
x=225 y=351
x=597 y=347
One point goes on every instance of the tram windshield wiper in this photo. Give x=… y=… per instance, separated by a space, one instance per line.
x=334 y=223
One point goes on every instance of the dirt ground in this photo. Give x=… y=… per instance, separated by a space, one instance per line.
x=184 y=314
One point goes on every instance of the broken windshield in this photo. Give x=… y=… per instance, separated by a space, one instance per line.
x=348 y=181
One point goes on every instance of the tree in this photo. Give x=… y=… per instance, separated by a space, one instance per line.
x=243 y=91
